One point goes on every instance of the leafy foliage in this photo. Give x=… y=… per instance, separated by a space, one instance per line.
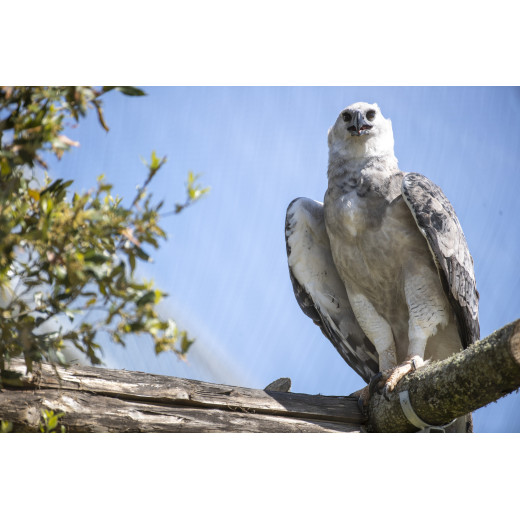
x=68 y=260
x=6 y=426
x=194 y=191
x=49 y=422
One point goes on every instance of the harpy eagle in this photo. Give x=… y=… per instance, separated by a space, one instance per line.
x=382 y=266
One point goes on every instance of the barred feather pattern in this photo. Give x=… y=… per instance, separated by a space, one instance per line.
x=439 y=224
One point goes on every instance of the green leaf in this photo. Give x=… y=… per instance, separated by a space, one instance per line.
x=46 y=205
x=57 y=186
x=131 y=260
x=6 y=427
x=61 y=357
x=147 y=297
x=53 y=422
x=185 y=342
x=131 y=91
x=156 y=162
x=94 y=257
x=142 y=255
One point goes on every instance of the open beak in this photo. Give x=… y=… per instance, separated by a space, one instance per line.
x=360 y=127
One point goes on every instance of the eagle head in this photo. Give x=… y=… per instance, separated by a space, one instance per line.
x=361 y=131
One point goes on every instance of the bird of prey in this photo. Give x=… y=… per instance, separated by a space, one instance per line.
x=382 y=266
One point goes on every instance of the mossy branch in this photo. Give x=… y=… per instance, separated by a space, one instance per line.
x=443 y=391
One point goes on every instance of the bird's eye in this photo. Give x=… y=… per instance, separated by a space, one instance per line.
x=347 y=117
x=371 y=114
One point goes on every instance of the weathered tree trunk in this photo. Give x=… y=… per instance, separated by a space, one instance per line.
x=442 y=391
x=103 y=400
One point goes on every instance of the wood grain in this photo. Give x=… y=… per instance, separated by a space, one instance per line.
x=99 y=399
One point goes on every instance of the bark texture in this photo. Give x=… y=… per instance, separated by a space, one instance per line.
x=448 y=389
x=103 y=400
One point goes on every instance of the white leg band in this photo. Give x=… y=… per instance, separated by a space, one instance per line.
x=413 y=418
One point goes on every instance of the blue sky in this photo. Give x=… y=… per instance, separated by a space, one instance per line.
x=224 y=264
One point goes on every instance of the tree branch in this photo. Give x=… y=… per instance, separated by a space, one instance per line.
x=445 y=390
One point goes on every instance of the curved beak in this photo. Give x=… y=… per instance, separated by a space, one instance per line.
x=359 y=126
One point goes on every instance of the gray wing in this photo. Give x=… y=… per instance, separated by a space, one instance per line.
x=319 y=289
x=437 y=221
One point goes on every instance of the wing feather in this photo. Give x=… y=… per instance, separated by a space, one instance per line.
x=439 y=224
x=318 y=288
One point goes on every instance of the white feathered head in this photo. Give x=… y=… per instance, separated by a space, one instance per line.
x=361 y=131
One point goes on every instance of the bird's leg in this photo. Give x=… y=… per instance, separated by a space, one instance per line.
x=363 y=397
x=374 y=384
x=384 y=382
x=394 y=375
x=427 y=311
x=379 y=333
x=375 y=327
x=368 y=391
